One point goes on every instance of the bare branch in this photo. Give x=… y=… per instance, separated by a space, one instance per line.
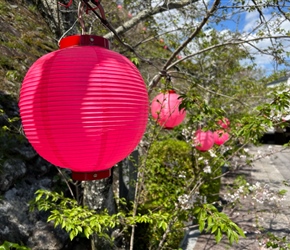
x=237 y=42
x=144 y=14
x=283 y=13
x=155 y=80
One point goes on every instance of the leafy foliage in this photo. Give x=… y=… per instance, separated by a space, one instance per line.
x=81 y=221
x=167 y=161
x=75 y=219
x=275 y=242
x=9 y=245
x=217 y=223
x=176 y=181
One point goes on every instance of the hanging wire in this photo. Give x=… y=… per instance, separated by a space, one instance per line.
x=64 y=34
x=101 y=16
x=105 y=22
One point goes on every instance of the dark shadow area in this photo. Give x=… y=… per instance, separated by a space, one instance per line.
x=276 y=138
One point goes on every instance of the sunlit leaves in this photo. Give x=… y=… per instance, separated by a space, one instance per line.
x=79 y=220
x=217 y=223
x=9 y=245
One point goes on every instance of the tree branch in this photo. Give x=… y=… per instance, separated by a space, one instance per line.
x=156 y=79
x=144 y=14
x=232 y=42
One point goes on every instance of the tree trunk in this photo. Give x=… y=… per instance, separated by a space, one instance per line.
x=98 y=195
x=59 y=19
x=128 y=177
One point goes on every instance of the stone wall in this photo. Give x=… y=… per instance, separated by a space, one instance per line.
x=22 y=172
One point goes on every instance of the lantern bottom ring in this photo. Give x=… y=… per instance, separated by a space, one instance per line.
x=90 y=176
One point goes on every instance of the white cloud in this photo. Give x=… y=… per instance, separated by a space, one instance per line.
x=253 y=26
x=248 y=23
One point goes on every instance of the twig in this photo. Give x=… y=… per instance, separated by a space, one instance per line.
x=65 y=179
x=167 y=65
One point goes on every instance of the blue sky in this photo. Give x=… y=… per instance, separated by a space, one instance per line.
x=247 y=23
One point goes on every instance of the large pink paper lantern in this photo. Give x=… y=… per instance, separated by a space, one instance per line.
x=165 y=110
x=203 y=140
x=220 y=137
x=84 y=107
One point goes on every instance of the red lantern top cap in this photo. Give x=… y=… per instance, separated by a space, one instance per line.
x=171 y=91
x=84 y=40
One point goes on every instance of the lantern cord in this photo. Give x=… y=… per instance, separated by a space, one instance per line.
x=104 y=21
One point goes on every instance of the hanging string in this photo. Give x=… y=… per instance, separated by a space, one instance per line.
x=104 y=21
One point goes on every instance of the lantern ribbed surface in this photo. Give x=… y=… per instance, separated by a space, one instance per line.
x=84 y=107
x=224 y=123
x=220 y=137
x=165 y=110
x=203 y=140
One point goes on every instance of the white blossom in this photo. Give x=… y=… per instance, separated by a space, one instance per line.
x=186 y=201
x=207 y=169
x=212 y=154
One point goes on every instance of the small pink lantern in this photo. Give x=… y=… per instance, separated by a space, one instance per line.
x=84 y=107
x=220 y=137
x=165 y=110
x=224 y=123
x=203 y=140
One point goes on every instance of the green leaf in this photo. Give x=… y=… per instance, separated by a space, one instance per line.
x=135 y=60
x=214 y=228
x=87 y=232
x=163 y=225
x=201 y=225
x=80 y=229
x=218 y=235
x=209 y=223
x=9 y=245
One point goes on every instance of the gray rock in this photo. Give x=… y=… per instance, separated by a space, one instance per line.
x=3 y=119
x=14 y=220
x=44 y=236
x=22 y=173
x=22 y=225
x=39 y=166
x=12 y=170
x=26 y=151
